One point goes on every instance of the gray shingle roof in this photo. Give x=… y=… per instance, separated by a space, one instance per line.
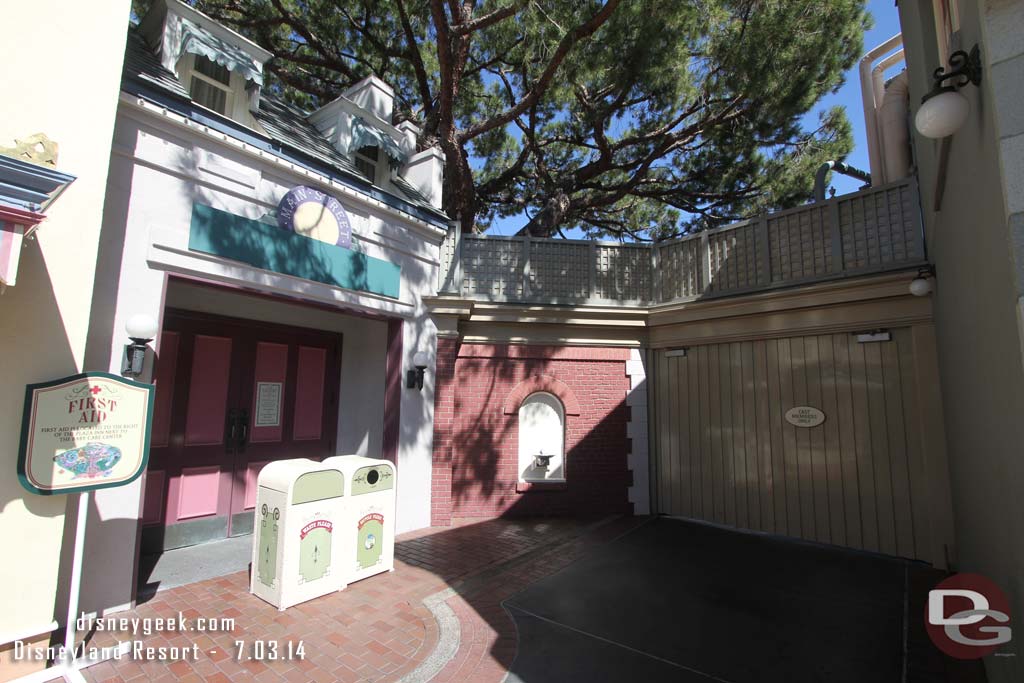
x=141 y=64
x=409 y=191
x=285 y=125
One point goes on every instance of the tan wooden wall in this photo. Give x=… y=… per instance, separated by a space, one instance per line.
x=863 y=479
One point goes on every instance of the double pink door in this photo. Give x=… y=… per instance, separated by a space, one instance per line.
x=231 y=396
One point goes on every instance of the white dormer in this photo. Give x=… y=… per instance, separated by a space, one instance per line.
x=425 y=172
x=221 y=69
x=373 y=95
x=358 y=124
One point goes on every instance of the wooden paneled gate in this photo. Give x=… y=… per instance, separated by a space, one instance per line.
x=865 y=478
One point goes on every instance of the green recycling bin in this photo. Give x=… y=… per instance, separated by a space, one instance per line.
x=298 y=540
x=369 y=515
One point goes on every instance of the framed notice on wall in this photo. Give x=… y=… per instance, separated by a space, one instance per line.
x=84 y=432
x=268 y=404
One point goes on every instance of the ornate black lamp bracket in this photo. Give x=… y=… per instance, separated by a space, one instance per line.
x=966 y=68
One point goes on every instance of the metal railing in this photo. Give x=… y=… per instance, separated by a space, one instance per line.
x=870 y=231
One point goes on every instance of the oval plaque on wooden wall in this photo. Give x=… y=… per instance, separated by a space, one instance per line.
x=804 y=416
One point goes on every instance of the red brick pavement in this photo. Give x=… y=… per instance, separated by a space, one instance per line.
x=377 y=629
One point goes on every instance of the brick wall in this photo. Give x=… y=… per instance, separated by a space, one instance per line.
x=476 y=440
x=444 y=422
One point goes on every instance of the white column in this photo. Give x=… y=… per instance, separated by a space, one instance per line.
x=636 y=430
x=416 y=427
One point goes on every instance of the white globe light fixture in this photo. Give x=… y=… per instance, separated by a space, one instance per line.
x=141 y=329
x=943 y=110
x=414 y=378
x=922 y=284
x=942 y=115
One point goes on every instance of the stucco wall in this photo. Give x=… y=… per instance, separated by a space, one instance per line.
x=976 y=322
x=61 y=66
x=162 y=165
x=1003 y=34
x=477 y=454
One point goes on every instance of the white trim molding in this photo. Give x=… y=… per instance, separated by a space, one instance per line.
x=26 y=633
x=638 y=459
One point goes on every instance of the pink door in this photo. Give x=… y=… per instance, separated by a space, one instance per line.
x=231 y=396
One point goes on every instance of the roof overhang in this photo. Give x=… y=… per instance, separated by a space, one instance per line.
x=26 y=191
x=28 y=186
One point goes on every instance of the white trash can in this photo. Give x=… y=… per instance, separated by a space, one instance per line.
x=369 y=515
x=300 y=532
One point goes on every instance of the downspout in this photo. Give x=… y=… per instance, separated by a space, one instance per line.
x=892 y=121
x=882 y=175
x=878 y=78
x=838 y=167
x=867 y=93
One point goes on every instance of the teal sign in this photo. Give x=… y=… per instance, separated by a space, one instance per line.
x=268 y=247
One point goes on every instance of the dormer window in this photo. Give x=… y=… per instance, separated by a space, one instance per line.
x=370 y=147
x=210 y=85
x=222 y=70
x=367 y=160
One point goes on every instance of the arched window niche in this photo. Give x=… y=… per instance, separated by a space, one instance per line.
x=541 y=438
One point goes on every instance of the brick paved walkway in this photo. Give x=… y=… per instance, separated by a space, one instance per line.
x=381 y=628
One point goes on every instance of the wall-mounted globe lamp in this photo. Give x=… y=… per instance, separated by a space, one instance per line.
x=943 y=110
x=141 y=329
x=922 y=285
x=414 y=378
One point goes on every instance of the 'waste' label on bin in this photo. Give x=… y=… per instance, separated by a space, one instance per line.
x=316 y=524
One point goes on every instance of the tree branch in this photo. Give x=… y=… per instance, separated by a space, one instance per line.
x=466 y=27
x=416 y=59
x=568 y=41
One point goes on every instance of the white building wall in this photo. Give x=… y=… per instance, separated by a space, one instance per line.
x=970 y=199
x=60 y=65
x=416 y=430
x=1003 y=31
x=161 y=164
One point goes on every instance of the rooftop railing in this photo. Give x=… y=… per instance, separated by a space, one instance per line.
x=870 y=231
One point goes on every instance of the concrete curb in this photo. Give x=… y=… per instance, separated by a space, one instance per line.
x=449 y=637
x=449 y=629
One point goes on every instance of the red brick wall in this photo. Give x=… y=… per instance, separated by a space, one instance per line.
x=444 y=422
x=476 y=443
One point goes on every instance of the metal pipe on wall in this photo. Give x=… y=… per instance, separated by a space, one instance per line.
x=870 y=105
x=838 y=167
x=878 y=77
x=894 y=129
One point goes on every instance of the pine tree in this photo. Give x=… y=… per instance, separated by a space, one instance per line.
x=626 y=118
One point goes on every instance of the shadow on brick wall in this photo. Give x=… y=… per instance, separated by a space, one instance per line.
x=477 y=440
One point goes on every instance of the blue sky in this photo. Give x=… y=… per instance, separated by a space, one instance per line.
x=886 y=25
